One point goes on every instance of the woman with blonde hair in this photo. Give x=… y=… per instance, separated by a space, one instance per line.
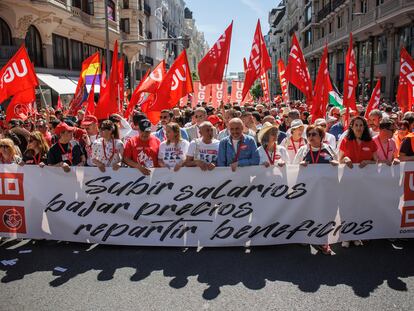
x=173 y=150
x=8 y=153
x=37 y=148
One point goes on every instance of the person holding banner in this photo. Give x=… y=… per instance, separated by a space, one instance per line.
x=270 y=152
x=358 y=146
x=173 y=150
x=386 y=147
x=141 y=151
x=66 y=152
x=203 y=151
x=108 y=149
x=316 y=151
x=37 y=149
x=237 y=149
x=294 y=141
x=8 y=154
x=401 y=133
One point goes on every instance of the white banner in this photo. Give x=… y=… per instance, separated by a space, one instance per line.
x=253 y=206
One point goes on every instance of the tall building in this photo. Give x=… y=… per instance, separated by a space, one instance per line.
x=379 y=28
x=198 y=46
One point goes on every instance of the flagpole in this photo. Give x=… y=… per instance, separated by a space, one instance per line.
x=43 y=96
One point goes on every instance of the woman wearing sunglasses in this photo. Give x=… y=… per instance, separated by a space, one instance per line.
x=316 y=152
x=8 y=153
x=108 y=148
x=37 y=148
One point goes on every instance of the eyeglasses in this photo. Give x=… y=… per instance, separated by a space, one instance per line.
x=164 y=117
x=312 y=134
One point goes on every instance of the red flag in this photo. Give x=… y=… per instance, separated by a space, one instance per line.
x=322 y=88
x=236 y=91
x=351 y=78
x=211 y=67
x=121 y=85
x=244 y=64
x=136 y=97
x=406 y=82
x=17 y=75
x=201 y=93
x=107 y=103
x=90 y=109
x=259 y=60
x=265 y=86
x=152 y=115
x=176 y=84
x=59 y=105
x=375 y=99
x=103 y=77
x=297 y=71
x=219 y=94
x=18 y=107
x=152 y=82
x=284 y=84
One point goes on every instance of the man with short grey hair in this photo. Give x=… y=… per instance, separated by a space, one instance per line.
x=193 y=132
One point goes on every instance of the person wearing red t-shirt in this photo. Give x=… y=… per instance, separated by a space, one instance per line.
x=358 y=146
x=141 y=151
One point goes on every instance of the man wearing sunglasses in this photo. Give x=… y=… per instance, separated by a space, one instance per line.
x=193 y=132
x=165 y=118
x=386 y=147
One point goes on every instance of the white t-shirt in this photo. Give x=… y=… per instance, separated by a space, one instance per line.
x=330 y=140
x=235 y=143
x=173 y=154
x=109 y=156
x=292 y=148
x=205 y=152
x=281 y=155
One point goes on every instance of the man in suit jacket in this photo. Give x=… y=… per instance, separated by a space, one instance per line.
x=193 y=132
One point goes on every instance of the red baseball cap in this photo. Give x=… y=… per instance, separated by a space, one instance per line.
x=62 y=127
x=88 y=120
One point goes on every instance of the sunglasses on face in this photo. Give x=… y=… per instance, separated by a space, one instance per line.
x=106 y=129
x=312 y=134
x=164 y=117
x=403 y=128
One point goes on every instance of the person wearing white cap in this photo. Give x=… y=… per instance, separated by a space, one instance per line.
x=329 y=138
x=269 y=152
x=295 y=140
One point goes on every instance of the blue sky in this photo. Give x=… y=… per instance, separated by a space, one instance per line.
x=213 y=16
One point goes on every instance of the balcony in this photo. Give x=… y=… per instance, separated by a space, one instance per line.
x=76 y=12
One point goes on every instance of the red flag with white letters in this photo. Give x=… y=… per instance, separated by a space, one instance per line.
x=265 y=87
x=17 y=75
x=19 y=106
x=176 y=84
x=153 y=81
x=136 y=97
x=259 y=60
x=375 y=99
x=297 y=71
x=211 y=67
x=219 y=94
x=322 y=88
x=351 y=78
x=284 y=84
x=405 y=91
x=201 y=93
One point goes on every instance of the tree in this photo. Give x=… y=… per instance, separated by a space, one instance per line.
x=257 y=91
x=194 y=76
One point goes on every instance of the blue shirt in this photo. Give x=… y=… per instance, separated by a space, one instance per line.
x=248 y=152
x=336 y=130
x=161 y=135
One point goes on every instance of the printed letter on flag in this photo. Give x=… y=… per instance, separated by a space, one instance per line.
x=405 y=91
x=219 y=94
x=375 y=99
x=322 y=88
x=211 y=67
x=201 y=93
x=284 y=85
x=351 y=78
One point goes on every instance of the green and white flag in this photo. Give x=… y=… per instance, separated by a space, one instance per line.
x=335 y=100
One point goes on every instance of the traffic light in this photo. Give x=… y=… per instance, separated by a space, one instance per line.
x=186 y=41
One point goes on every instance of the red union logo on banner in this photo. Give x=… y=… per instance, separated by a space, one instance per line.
x=407 y=216
x=409 y=186
x=12 y=219
x=11 y=186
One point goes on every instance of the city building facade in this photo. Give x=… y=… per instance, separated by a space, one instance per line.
x=379 y=27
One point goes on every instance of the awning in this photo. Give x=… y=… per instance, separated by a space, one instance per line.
x=62 y=84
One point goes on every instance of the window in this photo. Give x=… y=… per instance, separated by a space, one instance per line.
x=308 y=37
x=308 y=15
x=77 y=54
x=87 y=6
x=125 y=25
x=380 y=50
x=379 y=2
x=34 y=46
x=141 y=28
x=339 y=21
x=5 y=33
x=125 y=4
x=322 y=32
x=111 y=10
x=330 y=27
x=363 y=6
x=60 y=52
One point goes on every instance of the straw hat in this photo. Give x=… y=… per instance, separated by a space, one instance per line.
x=265 y=128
